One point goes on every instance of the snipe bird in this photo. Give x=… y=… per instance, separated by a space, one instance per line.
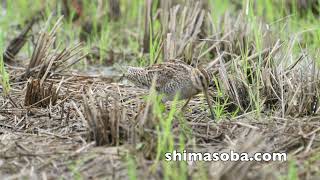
x=172 y=77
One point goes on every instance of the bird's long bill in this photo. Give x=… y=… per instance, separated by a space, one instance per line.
x=209 y=102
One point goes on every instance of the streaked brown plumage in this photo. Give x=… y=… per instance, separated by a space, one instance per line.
x=172 y=77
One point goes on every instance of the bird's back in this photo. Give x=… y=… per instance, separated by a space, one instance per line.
x=170 y=76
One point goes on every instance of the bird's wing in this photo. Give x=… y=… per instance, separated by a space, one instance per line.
x=143 y=77
x=162 y=74
x=137 y=76
x=170 y=78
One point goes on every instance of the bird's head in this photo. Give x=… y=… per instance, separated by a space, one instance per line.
x=200 y=78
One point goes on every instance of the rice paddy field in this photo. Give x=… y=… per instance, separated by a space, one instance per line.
x=67 y=112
